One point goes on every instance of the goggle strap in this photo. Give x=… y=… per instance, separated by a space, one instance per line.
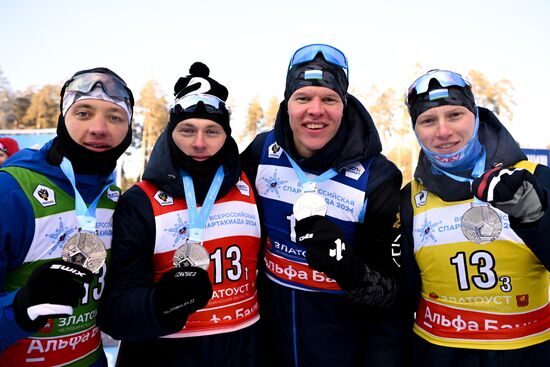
x=445 y=78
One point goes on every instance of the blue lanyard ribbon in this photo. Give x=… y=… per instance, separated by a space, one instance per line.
x=307 y=184
x=479 y=168
x=86 y=216
x=197 y=221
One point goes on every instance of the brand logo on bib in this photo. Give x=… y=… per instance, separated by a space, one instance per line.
x=274 y=151
x=307 y=236
x=44 y=195
x=163 y=198
x=243 y=188
x=355 y=170
x=421 y=198
x=113 y=195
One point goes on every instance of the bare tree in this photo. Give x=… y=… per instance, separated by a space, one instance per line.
x=495 y=96
x=5 y=100
x=383 y=113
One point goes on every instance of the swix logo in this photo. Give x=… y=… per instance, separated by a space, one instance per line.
x=453 y=158
x=67 y=269
x=337 y=252
x=307 y=236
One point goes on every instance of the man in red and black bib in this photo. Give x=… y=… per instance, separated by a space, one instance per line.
x=186 y=241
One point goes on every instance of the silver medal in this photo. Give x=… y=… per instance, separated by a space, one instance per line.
x=191 y=254
x=481 y=224
x=309 y=204
x=85 y=249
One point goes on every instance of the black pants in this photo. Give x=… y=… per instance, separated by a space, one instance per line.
x=312 y=329
x=241 y=348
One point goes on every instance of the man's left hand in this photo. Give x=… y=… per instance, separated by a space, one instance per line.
x=515 y=191
x=327 y=252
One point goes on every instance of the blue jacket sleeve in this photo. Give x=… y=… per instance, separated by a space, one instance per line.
x=10 y=332
x=16 y=233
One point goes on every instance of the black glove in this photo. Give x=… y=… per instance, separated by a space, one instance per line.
x=327 y=252
x=178 y=293
x=514 y=191
x=51 y=291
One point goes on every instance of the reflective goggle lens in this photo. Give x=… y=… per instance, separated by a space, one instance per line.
x=188 y=104
x=111 y=85
x=331 y=55
x=444 y=77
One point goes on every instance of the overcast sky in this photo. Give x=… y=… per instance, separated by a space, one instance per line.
x=247 y=44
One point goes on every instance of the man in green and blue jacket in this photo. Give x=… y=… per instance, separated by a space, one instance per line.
x=48 y=302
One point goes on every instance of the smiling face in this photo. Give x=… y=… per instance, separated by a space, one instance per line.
x=445 y=129
x=96 y=124
x=315 y=115
x=199 y=138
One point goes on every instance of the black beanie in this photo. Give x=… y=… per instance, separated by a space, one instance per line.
x=83 y=160
x=317 y=73
x=199 y=82
x=436 y=96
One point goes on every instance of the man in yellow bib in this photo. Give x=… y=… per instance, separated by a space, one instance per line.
x=475 y=235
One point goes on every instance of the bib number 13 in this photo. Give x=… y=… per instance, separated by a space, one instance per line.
x=486 y=277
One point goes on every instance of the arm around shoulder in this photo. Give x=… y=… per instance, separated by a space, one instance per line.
x=128 y=293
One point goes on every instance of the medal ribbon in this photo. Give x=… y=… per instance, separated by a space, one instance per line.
x=307 y=184
x=85 y=215
x=197 y=221
x=479 y=168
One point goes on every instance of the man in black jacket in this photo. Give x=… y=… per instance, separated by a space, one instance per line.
x=329 y=276
x=182 y=291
